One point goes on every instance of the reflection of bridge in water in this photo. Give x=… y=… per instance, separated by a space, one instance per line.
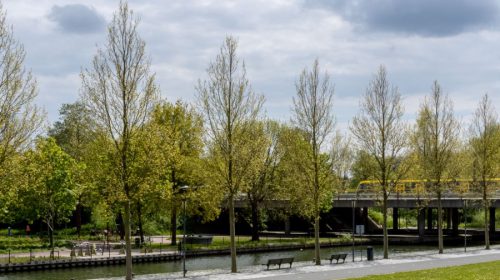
x=455 y=197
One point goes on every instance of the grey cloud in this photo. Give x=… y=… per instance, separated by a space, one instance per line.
x=77 y=18
x=433 y=18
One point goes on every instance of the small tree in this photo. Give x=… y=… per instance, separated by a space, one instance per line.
x=179 y=131
x=262 y=181
x=48 y=189
x=342 y=158
x=380 y=131
x=436 y=135
x=120 y=92
x=229 y=107
x=485 y=147
x=313 y=115
x=74 y=133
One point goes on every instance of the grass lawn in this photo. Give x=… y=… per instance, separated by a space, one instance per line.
x=480 y=271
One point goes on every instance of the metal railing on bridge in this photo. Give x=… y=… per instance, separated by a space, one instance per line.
x=410 y=188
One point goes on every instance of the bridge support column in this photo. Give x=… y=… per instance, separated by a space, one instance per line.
x=395 y=218
x=421 y=222
x=364 y=217
x=448 y=218
x=454 y=221
x=287 y=225
x=429 y=218
x=492 y=222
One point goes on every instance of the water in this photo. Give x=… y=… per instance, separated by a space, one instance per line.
x=203 y=263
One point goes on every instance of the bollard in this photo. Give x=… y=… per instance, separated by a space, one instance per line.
x=9 y=256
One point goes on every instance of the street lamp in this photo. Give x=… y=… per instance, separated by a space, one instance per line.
x=183 y=190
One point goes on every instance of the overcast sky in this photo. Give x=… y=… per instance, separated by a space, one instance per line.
x=456 y=42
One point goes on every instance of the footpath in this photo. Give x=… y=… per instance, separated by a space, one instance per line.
x=306 y=270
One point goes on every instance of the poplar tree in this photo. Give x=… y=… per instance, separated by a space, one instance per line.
x=120 y=92
x=381 y=133
x=229 y=107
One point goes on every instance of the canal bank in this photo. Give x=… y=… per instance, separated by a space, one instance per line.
x=114 y=259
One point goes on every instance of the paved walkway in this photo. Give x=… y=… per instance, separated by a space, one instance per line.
x=381 y=268
x=305 y=270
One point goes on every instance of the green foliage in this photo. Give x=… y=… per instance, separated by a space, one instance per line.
x=296 y=174
x=47 y=190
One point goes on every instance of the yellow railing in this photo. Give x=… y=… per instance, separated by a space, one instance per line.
x=421 y=186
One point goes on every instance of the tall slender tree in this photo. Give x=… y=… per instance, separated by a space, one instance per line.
x=380 y=131
x=485 y=148
x=437 y=134
x=313 y=114
x=120 y=91
x=20 y=118
x=229 y=107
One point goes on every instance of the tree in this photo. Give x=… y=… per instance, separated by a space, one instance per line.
x=313 y=115
x=120 y=91
x=20 y=119
x=75 y=134
x=48 y=184
x=262 y=182
x=485 y=147
x=380 y=131
x=229 y=107
x=436 y=134
x=179 y=129
x=342 y=158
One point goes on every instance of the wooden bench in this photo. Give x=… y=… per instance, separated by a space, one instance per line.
x=337 y=257
x=278 y=262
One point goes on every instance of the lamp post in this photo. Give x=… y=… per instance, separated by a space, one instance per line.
x=183 y=191
x=465 y=225
x=353 y=228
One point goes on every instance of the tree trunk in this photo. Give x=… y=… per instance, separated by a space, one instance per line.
x=51 y=233
x=232 y=232
x=128 y=245
x=255 y=221
x=173 y=222
x=317 y=256
x=139 y=217
x=78 y=218
x=121 y=227
x=384 y=226
x=440 y=223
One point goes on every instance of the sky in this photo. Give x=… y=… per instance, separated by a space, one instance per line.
x=456 y=42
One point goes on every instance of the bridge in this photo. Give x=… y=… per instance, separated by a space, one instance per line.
x=457 y=194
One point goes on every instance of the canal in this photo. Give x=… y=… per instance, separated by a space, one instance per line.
x=202 y=263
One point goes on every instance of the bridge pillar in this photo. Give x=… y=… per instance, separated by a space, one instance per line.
x=429 y=218
x=454 y=221
x=448 y=218
x=287 y=225
x=492 y=222
x=395 y=218
x=421 y=222
x=364 y=217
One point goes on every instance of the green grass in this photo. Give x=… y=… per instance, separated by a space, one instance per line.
x=481 y=271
